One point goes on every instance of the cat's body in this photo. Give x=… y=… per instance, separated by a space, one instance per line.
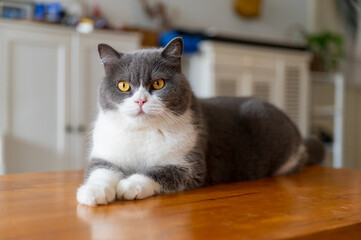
x=172 y=141
x=263 y=139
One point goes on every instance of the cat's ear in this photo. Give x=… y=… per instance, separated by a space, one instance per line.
x=108 y=56
x=174 y=48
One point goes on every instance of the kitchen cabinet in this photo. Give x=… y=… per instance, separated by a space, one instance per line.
x=48 y=94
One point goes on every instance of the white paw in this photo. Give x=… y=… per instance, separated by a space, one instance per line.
x=136 y=187
x=95 y=193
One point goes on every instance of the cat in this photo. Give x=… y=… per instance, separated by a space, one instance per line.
x=153 y=136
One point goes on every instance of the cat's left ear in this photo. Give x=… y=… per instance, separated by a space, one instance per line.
x=109 y=56
x=174 y=48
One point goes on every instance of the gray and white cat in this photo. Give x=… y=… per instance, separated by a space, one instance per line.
x=154 y=136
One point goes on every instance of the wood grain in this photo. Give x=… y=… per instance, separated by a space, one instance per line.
x=302 y=206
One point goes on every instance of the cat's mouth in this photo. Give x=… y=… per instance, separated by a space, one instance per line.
x=144 y=114
x=141 y=112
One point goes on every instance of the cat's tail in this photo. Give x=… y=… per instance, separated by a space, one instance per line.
x=315 y=150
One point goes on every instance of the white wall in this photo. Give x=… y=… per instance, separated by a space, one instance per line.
x=274 y=23
x=327 y=16
x=276 y=18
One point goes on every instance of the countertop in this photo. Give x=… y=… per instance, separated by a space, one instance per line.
x=319 y=203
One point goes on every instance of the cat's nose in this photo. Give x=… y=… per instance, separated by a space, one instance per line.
x=141 y=102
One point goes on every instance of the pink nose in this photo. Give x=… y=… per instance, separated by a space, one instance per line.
x=141 y=102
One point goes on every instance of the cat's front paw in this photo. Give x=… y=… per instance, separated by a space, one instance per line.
x=93 y=194
x=137 y=186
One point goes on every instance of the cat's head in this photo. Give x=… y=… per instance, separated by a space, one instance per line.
x=144 y=84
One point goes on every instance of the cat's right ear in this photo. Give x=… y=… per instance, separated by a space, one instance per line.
x=174 y=48
x=108 y=56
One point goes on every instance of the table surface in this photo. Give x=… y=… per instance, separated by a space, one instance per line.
x=319 y=203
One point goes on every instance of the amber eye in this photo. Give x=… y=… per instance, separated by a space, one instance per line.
x=123 y=86
x=158 y=84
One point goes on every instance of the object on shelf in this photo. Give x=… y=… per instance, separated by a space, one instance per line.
x=99 y=20
x=86 y=25
x=70 y=20
x=54 y=12
x=248 y=8
x=16 y=9
x=39 y=11
x=327 y=50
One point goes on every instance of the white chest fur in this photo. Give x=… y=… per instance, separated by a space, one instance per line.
x=136 y=148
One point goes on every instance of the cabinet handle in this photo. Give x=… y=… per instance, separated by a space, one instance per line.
x=81 y=129
x=68 y=129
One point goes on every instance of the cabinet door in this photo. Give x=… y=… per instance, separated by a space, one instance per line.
x=263 y=88
x=34 y=101
x=227 y=84
x=259 y=84
x=295 y=96
x=88 y=73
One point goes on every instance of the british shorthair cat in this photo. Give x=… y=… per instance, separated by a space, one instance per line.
x=153 y=136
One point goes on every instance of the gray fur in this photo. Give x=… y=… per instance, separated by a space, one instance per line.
x=141 y=68
x=238 y=138
x=315 y=151
x=100 y=163
x=172 y=178
x=247 y=139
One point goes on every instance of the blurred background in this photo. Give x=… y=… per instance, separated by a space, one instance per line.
x=304 y=56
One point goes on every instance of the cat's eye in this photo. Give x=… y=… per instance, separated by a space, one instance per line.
x=158 y=84
x=123 y=86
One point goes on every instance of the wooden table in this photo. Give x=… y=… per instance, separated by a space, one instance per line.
x=319 y=203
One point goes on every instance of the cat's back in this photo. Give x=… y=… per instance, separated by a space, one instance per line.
x=241 y=109
x=226 y=105
x=247 y=138
x=244 y=116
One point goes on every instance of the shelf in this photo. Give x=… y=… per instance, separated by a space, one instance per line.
x=333 y=111
x=324 y=111
x=324 y=77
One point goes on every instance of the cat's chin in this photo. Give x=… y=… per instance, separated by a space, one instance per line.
x=142 y=116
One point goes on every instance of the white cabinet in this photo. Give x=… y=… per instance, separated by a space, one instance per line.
x=35 y=103
x=48 y=94
x=278 y=76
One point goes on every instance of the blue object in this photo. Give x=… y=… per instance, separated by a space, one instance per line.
x=190 y=41
x=53 y=12
x=39 y=11
x=13 y=12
